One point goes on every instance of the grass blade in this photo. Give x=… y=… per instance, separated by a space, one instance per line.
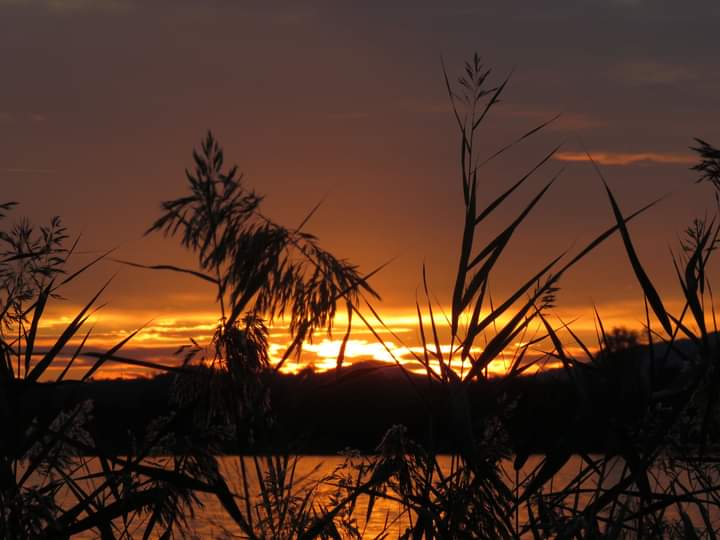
x=652 y=295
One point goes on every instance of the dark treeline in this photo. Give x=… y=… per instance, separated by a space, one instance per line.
x=325 y=413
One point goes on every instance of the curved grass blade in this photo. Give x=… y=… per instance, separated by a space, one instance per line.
x=346 y=337
x=519 y=139
x=647 y=286
x=69 y=332
x=169 y=267
x=101 y=359
x=493 y=205
x=37 y=314
x=74 y=356
x=136 y=362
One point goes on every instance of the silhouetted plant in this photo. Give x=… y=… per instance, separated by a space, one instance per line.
x=257 y=266
x=660 y=432
x=615 y=388
x=709 y=164
x=262 y=272
x=53 y=482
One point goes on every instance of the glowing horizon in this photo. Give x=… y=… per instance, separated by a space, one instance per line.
x=159 y=339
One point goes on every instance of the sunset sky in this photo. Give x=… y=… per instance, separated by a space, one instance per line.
x=102 y=101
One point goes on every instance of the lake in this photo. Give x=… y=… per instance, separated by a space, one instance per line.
x=211 y=521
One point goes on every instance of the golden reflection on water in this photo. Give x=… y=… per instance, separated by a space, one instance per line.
x=388 y=518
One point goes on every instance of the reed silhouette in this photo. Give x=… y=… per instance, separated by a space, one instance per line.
x=45 y=443
x=650 y=400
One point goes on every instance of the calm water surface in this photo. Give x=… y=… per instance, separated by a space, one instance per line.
x=211 y=521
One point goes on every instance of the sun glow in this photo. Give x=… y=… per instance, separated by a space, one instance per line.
x=400 y=343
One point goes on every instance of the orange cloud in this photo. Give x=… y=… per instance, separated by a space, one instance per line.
x=622 y=158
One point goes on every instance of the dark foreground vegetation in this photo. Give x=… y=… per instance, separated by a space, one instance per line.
x=61 y=473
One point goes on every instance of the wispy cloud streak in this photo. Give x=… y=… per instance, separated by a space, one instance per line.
x=622 y=158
